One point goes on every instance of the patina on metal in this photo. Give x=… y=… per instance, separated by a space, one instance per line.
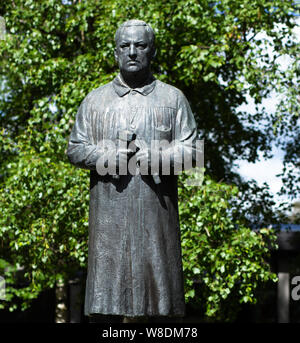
x=134 y=261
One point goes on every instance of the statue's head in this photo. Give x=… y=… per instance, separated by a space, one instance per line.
x=135 y=46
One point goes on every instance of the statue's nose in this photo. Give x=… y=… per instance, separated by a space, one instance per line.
x=132 y=51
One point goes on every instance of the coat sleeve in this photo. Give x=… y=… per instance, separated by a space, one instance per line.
x=183 y=154
x=82 y=152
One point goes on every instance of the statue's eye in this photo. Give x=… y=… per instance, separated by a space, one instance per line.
x=142 y=46
x=122 y=46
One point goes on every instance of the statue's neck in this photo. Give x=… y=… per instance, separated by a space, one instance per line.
x=136 y=80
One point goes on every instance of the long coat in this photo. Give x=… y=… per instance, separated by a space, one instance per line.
x=134 y=259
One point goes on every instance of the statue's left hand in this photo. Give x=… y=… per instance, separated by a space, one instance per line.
x=147 y=159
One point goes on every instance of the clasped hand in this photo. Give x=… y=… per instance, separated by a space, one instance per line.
x=144 y=159
x=124 y=159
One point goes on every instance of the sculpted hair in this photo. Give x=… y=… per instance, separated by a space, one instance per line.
x=136 y=22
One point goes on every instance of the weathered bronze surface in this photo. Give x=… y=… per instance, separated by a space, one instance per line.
x=134 y=262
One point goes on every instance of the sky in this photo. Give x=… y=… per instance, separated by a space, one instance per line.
x=265 y=170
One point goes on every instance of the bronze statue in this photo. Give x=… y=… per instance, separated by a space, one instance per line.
x=134 y=262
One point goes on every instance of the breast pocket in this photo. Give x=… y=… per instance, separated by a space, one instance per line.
x=163 y=122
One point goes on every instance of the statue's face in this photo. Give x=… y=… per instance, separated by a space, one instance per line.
x=133 y=51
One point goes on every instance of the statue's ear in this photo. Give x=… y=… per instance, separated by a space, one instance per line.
x=116 y=55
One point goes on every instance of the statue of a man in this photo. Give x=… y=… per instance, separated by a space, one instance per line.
x=134 y=262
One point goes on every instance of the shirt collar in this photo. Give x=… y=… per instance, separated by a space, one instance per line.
x=122 y=88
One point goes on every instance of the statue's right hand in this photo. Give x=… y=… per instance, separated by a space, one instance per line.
x=112 y=162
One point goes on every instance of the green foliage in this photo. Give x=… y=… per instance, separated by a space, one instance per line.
x=56 y=51
x=44 y=205
x=225 y=256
